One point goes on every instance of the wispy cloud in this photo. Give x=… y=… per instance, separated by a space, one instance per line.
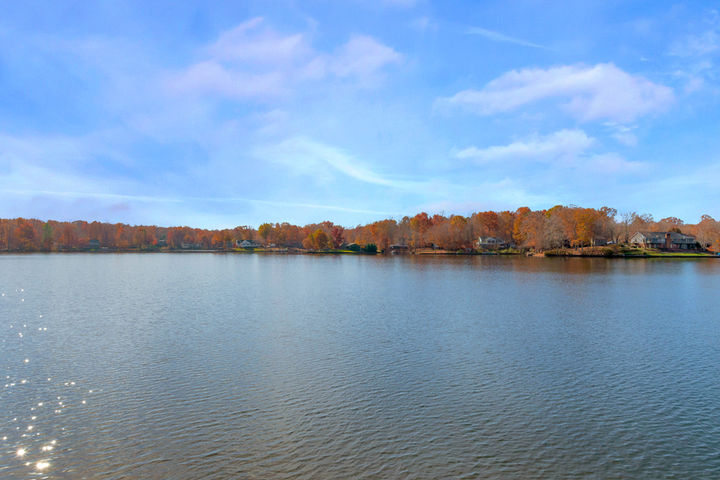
x=696 y=54
x=600 y=92
x=622 y=133
x=564 y=143
x=562 y=150
x=500 y=37
x=309 y=157
x=255 y=41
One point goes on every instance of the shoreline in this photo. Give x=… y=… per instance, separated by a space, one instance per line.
x=547 y=254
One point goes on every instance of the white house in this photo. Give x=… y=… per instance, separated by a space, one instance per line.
x=490 y=243
x=247 y=244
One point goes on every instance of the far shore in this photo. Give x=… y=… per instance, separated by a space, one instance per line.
x=581 y=252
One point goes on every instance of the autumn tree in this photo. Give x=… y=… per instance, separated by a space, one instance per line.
x=265 y=230
x=519 y=234
x=68 y=237
x=25 y=235
x=708 y=233
x=670 y=224
x=382 y=233
x=486 y=224
x=318 y=240
x=419 y=224
x=337 y=235
x=608 y=225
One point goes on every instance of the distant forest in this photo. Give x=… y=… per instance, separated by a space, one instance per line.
x=538 y=230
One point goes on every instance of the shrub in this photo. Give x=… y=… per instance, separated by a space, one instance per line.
x=369 y=248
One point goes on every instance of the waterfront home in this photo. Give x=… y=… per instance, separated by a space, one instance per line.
x=247 y=244
x=664 y=240
x=490 y=243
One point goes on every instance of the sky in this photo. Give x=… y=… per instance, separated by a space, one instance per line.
x=218 y=114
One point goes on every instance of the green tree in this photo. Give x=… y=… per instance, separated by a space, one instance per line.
x=370 y=248
x=47 y=236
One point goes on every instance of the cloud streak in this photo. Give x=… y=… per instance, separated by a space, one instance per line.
x=500 y=37
x=312 y=158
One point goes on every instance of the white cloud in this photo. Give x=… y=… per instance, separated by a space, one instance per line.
x=362 y=56
x=500 y=37
x=601 y=92
x=253 y=61
x=560 y=144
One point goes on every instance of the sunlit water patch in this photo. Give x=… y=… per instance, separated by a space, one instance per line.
x=38 y=410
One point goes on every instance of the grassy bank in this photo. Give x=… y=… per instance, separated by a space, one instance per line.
x=622 y=252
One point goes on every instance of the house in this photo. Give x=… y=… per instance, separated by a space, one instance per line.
x=664 y=240
x=247 y=244
x=490 y=243
x=351 y=246
x=93 y=244
x=399 y=248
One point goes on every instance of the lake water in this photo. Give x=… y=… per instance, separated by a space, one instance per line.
x=326 y=367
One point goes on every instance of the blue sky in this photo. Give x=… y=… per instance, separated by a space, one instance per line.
x=181 y=113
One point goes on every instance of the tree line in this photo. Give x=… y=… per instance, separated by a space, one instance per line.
x=557 y=227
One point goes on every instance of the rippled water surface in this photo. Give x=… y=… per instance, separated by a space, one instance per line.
x=327 y=367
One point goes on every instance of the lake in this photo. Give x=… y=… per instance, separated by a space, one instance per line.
x=325 y=367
